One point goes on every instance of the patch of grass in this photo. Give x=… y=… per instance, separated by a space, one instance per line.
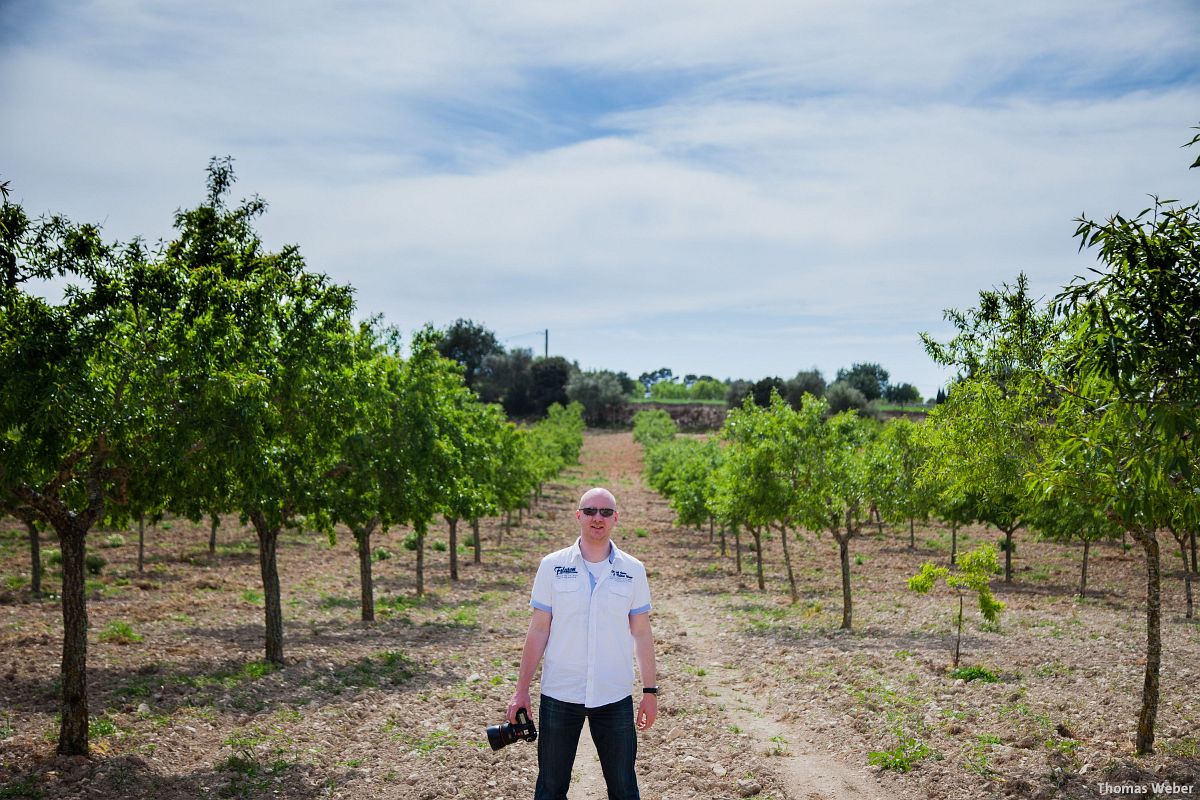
x=26 y=788
x=465 y=616
x=988 y=738
x=977 y=756
x=94 y=563
x=699 y=672
x=329 y=601
x=100 y=726
x=119 y=632
x=15 y=583
x=904 y=655
x=641 y=533
x=115 y=540
x=1052 y=669
x=908 y=752
x=258 y=758
x=1187 y=747
x=975 y=673
x=439 y=546
x=380 y=554
x=230 y=678
x=6 y=728
x=424 y=742
x=253 y=596
x=371 y=672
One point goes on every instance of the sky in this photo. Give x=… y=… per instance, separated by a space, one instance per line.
x=734 y=189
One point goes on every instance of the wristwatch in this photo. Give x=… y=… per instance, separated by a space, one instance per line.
x=649 y=690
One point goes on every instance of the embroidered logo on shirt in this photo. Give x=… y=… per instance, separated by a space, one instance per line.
x=565 y=571
x=623 y=577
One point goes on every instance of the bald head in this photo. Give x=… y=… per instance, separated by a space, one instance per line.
x=599 y=497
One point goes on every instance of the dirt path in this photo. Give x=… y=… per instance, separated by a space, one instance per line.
x=805 y=771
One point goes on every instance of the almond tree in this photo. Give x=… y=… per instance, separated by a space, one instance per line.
x=832 y=480
x=87 y=396
x=266 y=412
x=894 y=459
x=1131 y=370
x=973 y=574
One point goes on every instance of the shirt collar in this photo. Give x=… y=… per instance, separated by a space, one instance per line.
x=576 y=550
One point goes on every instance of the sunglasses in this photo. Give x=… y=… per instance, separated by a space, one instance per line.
x=604 y=512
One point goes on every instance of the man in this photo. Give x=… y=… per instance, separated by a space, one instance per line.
x=591 y=605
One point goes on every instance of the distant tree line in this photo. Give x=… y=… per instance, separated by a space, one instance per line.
x=525 y=385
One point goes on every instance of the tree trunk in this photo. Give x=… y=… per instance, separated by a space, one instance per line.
x=958 y=639
x=953 y=542
x=787 y=560
x=724 y=552
x=212 y=537
x=1181 y=539
x=421 y=561
x=711 y=532
x=268 y=544
x=73 y=729
x=878 y=519
x=141 y=543
x=478 y=543
x=758 y=548
x=35 y=558
x=1149 y=712
x=737 y=541
x=366 y=582
x=1192 y=535
x=504 y=528
x=844 y=553
x=1087 y=544
x=912 y=535
x=1008 y=548
x=453 y=523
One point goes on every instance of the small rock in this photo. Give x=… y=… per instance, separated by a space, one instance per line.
x=748 y=788
x=719 y=771
x=143 y=708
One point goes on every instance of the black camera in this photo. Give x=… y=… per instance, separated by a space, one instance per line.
x=508 y=732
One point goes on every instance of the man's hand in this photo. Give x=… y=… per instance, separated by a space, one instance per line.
x=520 y=699
x=647 y=711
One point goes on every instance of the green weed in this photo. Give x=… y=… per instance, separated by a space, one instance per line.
x=975 y=674
x=908 y=752
x=118 y=632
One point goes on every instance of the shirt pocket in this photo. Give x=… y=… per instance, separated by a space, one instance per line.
x=620 y=595
x=566 y=593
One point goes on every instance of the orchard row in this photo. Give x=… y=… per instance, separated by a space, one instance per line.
x=211 y=377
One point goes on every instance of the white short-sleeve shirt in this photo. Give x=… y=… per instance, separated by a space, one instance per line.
x=589 y=656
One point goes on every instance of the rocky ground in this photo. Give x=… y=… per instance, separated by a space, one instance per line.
x=760 y=697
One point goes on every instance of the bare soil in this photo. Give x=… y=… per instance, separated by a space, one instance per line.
x=760 y=697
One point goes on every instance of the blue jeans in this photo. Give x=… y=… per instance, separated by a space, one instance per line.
x=612 y=730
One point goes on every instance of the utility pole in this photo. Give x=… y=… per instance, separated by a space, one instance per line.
x=546 y=350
